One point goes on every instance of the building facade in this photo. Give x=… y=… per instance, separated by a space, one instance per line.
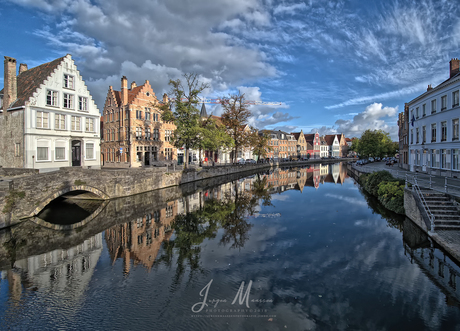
x=48 y=119
x=133 y=133
x=403 y=133
x=434 y=127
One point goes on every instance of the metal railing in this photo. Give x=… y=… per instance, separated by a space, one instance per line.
x=416 y=189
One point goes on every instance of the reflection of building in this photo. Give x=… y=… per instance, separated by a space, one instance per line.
x=133 y=133
x=140 y=240
x=63 y=269
x=49 y=119
x=281 y=180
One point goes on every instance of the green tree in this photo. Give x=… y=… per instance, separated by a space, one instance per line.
x=183 y=112
x=214 y=136
x=375 y=143
x=260 y=143
x=235 y=119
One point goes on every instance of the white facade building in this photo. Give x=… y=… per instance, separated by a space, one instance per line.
x=57 y=121
x=434 y=127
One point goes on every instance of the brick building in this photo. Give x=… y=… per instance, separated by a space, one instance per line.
x=283 y=144
x=133 y=133
x=403 y=124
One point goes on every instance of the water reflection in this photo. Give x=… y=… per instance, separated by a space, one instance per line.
x=322 y=269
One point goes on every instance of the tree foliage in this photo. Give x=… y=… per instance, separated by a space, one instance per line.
x=374 y=143
x=235 y=118
x=260 y=143
x=183 y=112
x=214 y=136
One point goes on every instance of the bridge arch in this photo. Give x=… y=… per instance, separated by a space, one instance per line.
x=65 y=190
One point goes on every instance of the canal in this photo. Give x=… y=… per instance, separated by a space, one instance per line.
x=296 y=249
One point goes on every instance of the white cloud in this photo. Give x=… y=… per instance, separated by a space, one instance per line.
x=374 y=117
x=291 y=10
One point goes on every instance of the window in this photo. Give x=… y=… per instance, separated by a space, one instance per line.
x=89 y=125
x=156 y=134
x=59 y=122
x=423 y=134
x=424 y=110
x=75 y=124
x=155 y=118
x=139 y=114
x=455 y=160
x=443 y=158
x=69 y=81
x=412 y=136
x=113 y=134
x=126 y=133
x=416 y=113
x=433 y=106
x=138 y=133
x=455 y=99
x=147 y=134
x=82 y=103
x=59 y=153
x=444 y=102
x=90 y=150
x=42 y=120
x=433 y=132
x=68 y=101
x=17 y=149
x=455 y=129
x=168 y=135
x=416 y=135
x=433 y=158
x=42 y=153
x=52 y=98
x=443 y=131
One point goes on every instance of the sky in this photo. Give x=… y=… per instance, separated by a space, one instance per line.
x=333 y=66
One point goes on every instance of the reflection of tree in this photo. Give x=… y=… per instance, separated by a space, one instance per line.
x=229 y=214
x=394 y=220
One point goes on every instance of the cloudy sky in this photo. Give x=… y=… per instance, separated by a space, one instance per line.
x=336 y=66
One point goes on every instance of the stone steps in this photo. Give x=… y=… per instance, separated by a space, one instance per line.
x=446 y=214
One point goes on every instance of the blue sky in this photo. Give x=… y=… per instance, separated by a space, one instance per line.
x=337 y=66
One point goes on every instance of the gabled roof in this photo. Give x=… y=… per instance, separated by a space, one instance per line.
x=132 y=94
x=329 y=138
x=296 y=135
x=203 y=112
x=30 y=80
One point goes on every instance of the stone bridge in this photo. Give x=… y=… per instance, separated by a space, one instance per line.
x=25 y=196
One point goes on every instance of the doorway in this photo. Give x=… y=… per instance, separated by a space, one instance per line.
x=76 y=153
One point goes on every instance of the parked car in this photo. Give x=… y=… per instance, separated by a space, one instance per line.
x=251 y=161
x=371 y=160
x=241 y=161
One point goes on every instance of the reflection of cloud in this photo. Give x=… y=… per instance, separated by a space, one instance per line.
x=354 y=201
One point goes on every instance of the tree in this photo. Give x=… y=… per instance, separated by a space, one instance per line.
x=375 y=143
x=185 y=114
x=235 y=118
x=260 y=143
x=214 y=136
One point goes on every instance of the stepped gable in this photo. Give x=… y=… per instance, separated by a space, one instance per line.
x=30 y=80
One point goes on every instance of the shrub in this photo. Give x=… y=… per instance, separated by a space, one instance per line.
x=391 y=195
x=374 y=179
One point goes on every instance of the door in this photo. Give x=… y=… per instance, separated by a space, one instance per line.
x=76 y=153
x=147 y=158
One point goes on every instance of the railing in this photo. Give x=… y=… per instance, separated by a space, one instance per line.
x=416 y=189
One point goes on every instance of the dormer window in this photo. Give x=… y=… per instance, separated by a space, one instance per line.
x=69 y=81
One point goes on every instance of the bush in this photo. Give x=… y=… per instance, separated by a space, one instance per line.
x=391 y=195
x=374 y=179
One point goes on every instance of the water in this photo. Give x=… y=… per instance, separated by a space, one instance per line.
x=318 y=254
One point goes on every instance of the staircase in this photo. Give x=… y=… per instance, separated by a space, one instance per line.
x=446 y=214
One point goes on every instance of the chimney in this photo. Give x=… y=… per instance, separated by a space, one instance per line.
x=165 y=98
x=133 y=85
x=10 y=89
x=454 y=66
x=429 y=88
x=124 y=90
x=22 y=68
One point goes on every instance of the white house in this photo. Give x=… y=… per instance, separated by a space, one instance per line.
x=49 y=119
x=434 y=127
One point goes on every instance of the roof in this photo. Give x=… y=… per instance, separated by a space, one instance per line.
x=329 y=138
x=296 y=135
x=30 y=80
x=203 y=111
x=435 y=89
x=347 y=139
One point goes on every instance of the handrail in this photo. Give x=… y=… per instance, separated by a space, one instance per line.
x=416 y=189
